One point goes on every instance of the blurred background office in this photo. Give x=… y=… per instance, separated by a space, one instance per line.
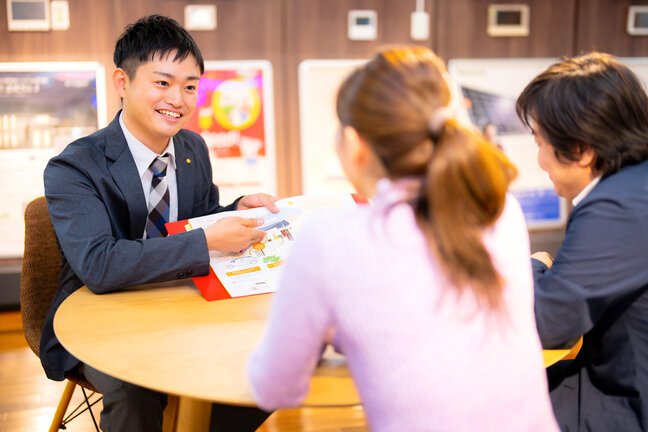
x=288 y=40
x=285 y=33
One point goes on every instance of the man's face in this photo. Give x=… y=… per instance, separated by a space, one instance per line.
x=159 y=99
x=568 y=177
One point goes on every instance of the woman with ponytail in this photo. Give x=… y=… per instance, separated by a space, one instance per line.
x=428 y=291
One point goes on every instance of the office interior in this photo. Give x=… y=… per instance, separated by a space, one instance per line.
x=287 y=32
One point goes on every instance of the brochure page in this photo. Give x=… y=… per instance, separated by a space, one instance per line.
x=257 y=269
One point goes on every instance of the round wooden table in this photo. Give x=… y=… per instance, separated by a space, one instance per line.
x=167 y=337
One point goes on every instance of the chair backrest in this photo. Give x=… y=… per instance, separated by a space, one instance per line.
x=41 y=269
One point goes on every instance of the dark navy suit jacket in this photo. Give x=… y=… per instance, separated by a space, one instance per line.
x=99 y=212
x=597 y=287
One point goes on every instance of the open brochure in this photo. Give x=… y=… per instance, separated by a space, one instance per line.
x=257 y=269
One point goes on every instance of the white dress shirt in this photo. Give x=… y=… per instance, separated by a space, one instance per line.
x=586 y=190
x=143 y=157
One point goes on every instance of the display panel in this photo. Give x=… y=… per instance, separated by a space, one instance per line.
x=508 y=20
x=637 y=23
x=28 y=15
x=318 y=84
x=43 y=107
x=639 y=66
x=489 y=89
x=235 y=116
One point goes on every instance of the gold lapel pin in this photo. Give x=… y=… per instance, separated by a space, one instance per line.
x=188 y=160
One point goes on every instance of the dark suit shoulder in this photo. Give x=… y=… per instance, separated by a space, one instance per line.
x=626 y=189
x=108 y=142
x=82 y=147
x=624 y=182
x=84 y=156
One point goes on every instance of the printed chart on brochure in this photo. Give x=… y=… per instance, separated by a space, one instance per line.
x=257 y=269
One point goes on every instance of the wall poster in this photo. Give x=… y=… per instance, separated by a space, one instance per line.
x=318 y=84
x=43 y=107
x=235 y=116
x=489 y=89
x=639 y=66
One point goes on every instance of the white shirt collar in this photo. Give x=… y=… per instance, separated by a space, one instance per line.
x=586 y=190
x=143 y=155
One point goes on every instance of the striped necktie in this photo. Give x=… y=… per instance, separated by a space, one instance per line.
x=158 y=207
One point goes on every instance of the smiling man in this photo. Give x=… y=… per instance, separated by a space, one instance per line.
x=111 y=193
x=589 y=116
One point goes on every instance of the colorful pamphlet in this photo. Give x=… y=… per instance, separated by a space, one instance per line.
x=257 y=269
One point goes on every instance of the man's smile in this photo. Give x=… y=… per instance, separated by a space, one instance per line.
x=169 y=113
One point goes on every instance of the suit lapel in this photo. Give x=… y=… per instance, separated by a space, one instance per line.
x=185 y=170
x=125 y=175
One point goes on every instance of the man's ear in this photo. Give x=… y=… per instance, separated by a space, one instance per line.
x=358 y=149
x=120 y=81
x=587 y=157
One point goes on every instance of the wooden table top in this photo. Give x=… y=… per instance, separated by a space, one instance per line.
x=169 y=338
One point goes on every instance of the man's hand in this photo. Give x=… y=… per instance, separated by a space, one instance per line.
x=233 y=234
x=543 y=257
x=258 y=200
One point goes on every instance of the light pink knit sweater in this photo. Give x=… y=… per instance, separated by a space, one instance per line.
x=422 y=357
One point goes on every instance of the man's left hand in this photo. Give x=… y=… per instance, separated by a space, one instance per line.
x=258 y=200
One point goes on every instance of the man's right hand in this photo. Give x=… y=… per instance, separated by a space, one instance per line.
x=233 y=234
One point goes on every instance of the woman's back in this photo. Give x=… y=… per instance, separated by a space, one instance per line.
x=428 y=291
x=422 y=358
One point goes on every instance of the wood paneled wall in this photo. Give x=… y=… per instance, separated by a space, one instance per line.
x=289 y=31
x=460 y=30
x=247 y=29
x=601 y=26
x=317 y=29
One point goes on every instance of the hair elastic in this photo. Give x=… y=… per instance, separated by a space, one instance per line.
x=438 y=118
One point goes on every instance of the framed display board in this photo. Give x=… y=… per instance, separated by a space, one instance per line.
x=43 y=107
x=639 y=66
x=489 y=89
x=318 y=84
x=235 y=116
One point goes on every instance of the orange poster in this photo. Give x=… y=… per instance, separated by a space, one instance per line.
x=235 y=116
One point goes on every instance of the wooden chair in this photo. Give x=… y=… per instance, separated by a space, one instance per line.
x=38 y=283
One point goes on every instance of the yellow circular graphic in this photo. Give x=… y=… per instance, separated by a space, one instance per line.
x=236 y=104
x=205 y=118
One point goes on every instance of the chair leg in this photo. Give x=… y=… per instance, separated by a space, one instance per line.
x=87 y=401
x=85 y=405
x=62 y=406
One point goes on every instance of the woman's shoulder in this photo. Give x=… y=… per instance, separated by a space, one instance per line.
x=332 y=223
x=512 y=217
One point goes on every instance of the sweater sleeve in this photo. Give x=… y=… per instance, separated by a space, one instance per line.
x=280 y=368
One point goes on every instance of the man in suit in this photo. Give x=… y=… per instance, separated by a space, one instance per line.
x=589 y=116
x=110 y=193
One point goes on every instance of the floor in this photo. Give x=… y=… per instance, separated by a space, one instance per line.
x=28 y=399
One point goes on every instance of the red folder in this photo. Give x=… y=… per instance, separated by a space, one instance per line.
x=209 y=285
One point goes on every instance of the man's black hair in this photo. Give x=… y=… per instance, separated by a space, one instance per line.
x=153 y=36
x=593 y=101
